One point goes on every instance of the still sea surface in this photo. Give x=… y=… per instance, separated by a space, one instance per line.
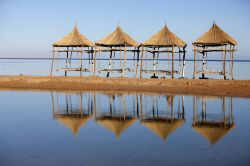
x=103 y=128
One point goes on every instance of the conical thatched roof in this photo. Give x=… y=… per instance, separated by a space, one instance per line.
x=213 y=133
x=117 y=38
x=116 y=125
x=74 y=39
x=165 y=38
x=74 y=123
x=163 y=127
x=215 y=36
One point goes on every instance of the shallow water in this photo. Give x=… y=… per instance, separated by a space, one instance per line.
x=42 y=67
x=114 y=128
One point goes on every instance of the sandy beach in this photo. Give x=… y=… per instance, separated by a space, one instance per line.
x=240 y=88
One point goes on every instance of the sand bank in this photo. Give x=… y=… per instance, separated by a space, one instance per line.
x=239 y=88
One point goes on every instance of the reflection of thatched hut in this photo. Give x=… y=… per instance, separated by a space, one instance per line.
x=214 y=40
x=213 y=132
x=163 y=127
x=117 y=41
x=74 y=42
x=116 y=125
x=73 y=122
x=165 y=41
x=213 y=129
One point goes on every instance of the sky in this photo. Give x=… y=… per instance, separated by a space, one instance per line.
x=29 y=27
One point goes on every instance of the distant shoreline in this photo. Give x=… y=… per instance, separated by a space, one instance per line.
x=236 y=88
x=211 y=60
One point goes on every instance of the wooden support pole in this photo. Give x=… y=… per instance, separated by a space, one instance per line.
x=137 y=63
x=65 y=74
x=52 y=63
x=183 y=63
x=172 y=72
x=110 y=60
x=124 y=61
x=233 y=64
x=224 y=64
x=94 y=72
x=203 y=64
x=142 y=56
x=194 y=74
x=81 y=63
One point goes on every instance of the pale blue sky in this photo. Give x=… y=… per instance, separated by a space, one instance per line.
x=29 y=27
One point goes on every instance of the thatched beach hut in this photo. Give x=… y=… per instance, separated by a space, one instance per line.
x=215 y=127
x=117 y=41
x=165 y=41
x=74 y=42
x=214 y=40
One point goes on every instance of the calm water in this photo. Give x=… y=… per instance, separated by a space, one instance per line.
x=112 y=128
x=42 y=67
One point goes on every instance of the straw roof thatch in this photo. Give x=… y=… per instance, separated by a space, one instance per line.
x=215 y=36
x=74 y=39
x=74 y=123
x=116 y=39
x=116 y=125
x=162 y=127
x=165 y=38
x=213 y=133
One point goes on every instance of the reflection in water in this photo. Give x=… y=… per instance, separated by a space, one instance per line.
x=213 y=128
x=72 y=115
x=164 y=122
x=161 y=114
x=116 y=119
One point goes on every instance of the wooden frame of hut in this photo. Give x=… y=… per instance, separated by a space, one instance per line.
x=117 y=41
x=163 y=123
x=164 y=41
x=74 y=42
x=213 y=128
x=214 y=40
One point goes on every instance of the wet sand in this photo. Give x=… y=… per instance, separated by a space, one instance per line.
x=240 y=88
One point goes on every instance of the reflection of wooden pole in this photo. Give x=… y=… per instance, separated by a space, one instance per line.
x=141 y=111
x=231 y=110
x=53 y=104
x=137 y=106
x=224 y=110
x=194 y=109
x=183 y=107
x=52 y=64
x=203 y=108
x=142 y=55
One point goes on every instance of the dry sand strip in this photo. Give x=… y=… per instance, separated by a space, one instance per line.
x=240 y=88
